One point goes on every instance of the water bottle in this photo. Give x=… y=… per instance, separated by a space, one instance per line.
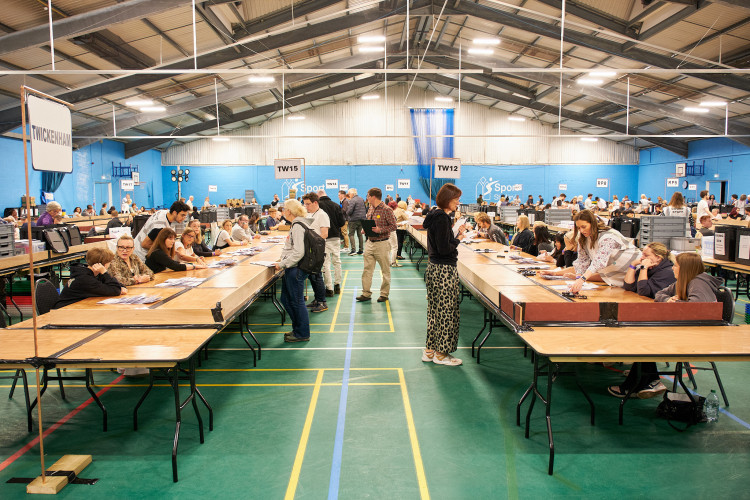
x=712 y=407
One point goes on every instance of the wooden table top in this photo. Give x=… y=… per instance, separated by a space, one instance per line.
x=696 y=343
x=16 y=262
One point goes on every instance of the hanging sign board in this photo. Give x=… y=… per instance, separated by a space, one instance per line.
x=673 y=182
x=213 y=189
x=389 y=187
x=562 y=187
x=289 y=168
x=344 y=187
x=127 y=185
x=602 y=183
x=332 y=184
x=692 y=187
x=447 y=168
x=404 y=183
x=51 y=136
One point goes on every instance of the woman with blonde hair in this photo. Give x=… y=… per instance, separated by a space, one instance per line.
x=126 y=266
x=183 y=247
x=401 y=220
x=161 y=255
x=523 y=238
x=225 y=240
x=651 y=271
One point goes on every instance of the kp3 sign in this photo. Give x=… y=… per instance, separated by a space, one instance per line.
x=492 y=190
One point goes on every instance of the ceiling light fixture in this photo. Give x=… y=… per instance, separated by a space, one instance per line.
x=486 y=41
x=210 y=117
x=261 y=79
x=517 y=118
x=221 y=139
x=603 y=74
x=480 y=52
x=589 y=81
x=371 y=39
x=713 y=104
x=139 y=102
x=589 y=139
x=696 y=110
x=296 y=117
x=444 y=99
x=369 y=97
x=152 y=109
x=371 y=48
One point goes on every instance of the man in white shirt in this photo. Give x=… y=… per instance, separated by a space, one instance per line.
x=320 y=224
x=601 y=204
x=703 y=205
x=189 y=203
x=242 y=232
x=161 y=219
x=125 y=205
x=587 y=203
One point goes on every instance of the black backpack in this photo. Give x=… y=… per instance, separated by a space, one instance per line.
x=315 y=251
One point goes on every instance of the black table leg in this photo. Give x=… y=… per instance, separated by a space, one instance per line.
x=96 y=398
x=242 y=322
x=480 y=333
x=143 y=398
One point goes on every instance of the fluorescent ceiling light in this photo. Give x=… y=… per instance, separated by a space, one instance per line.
x=444 y=99
x=153 y=109
x=486 y=41
x=696 y=110
x=589 y=81
x=589 y=139
x=261 y=79
x=713 y=104
x=296 y=117
x=210 y=117
x=371 y=39
x=480 y=52
x=370 y=97
x=221 y=139
x=371 y=48
x=139 y=102
x=603 y=74
x=517 y=118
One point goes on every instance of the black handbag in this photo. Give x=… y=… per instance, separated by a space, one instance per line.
x=679 y=407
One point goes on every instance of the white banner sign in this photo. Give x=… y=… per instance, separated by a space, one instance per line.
x=447 y=168
x=127 y=185
x=404 y=183
x=562 y=187
x=602 y=183
x=332 y=184
x=136 y=177
x=213 y=189
x=693 y=187
x=51 y=136
x=673 y=182
x=288 y=169
x=389 y=187
x=343 y=187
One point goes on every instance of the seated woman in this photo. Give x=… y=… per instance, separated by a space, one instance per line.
x=184 y=247
x=486 y=229
x=225 y=240
x=161 y=255
x=127 y=267
x=524 y=238
x=199 y=246
x=91 y=279
x=692 y=285
x=564 y=253
x=77 y=212
x=542 y=241
x=651 y=271
x=603 y=253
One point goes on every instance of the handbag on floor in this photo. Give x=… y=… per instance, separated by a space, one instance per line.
x=679 y=407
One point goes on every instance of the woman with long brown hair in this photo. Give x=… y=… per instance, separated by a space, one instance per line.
x=651 y=272
x=161 y=255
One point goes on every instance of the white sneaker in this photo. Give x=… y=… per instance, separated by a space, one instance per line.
x=427 y=357
x=447 y=360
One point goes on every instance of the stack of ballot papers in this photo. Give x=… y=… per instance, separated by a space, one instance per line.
x=132 y=299
x=186 y=282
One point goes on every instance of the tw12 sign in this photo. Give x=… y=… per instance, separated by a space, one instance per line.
x=404 y=183
x=447 y=168
x=289 y=168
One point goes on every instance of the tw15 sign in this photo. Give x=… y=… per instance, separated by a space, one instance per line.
x=288 y=168
x=447 y=168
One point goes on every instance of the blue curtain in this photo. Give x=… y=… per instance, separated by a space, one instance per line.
x=51 y=181
x=426 y=122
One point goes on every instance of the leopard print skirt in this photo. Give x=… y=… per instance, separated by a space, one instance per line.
x=443 y=313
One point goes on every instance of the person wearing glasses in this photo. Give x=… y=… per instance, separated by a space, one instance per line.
x=127 y=267
x=184 y=247
x=161 y=256
x=242 y=231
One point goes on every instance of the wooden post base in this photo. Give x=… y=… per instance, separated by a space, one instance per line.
x=53 y=484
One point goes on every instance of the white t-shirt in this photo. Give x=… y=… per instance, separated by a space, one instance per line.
x=223 y=239
x=188 y=251
x=319 y=219
x=157 y=221
x=125 y=205
x=615 y=204
x=587 y=203
x=702 y=209
x=190 y=204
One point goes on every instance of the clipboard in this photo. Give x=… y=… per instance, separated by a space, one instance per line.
x=367 y=225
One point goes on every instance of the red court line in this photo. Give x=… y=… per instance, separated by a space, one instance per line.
x=54 y=427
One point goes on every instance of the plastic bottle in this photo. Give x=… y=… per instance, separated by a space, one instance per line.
x=712 y=407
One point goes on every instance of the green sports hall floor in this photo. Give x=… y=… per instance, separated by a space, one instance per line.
x=407 y=429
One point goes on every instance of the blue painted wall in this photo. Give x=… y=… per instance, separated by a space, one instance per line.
x=89 y=165
x=724 y=160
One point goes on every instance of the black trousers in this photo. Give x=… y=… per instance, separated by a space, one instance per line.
x=400 y=234
x=649 y=373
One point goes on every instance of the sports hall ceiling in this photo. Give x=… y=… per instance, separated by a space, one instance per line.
x=149 y=48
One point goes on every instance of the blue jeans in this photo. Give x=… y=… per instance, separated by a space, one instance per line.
x=293 y=300
x=318 y=286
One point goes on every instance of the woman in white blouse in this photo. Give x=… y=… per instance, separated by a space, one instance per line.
x=184 y=247
x=225 y=239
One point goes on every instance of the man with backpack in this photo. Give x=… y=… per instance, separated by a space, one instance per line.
x=320 y=224
x=333 y=244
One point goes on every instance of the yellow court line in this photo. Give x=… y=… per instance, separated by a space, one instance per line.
x=338 y=302
x=421 y=478
x=289 y=369
x=342 y=331
x=390 y=316
x=297 y=467
x=310 y=384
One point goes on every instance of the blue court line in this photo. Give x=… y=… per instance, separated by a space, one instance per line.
x=722 y=410
x=338 y=445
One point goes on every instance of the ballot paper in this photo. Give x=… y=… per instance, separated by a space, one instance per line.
x=132 y=299
x=553 y=277
x=222 y=263
x=469 y=240
x=266 y=263
x=744 y=247
x=245 y=251
x=522 y=260
x=460 y=222
x=182 y=282
x=568 y=284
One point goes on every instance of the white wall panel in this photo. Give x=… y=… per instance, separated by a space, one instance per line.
x=376 y=132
